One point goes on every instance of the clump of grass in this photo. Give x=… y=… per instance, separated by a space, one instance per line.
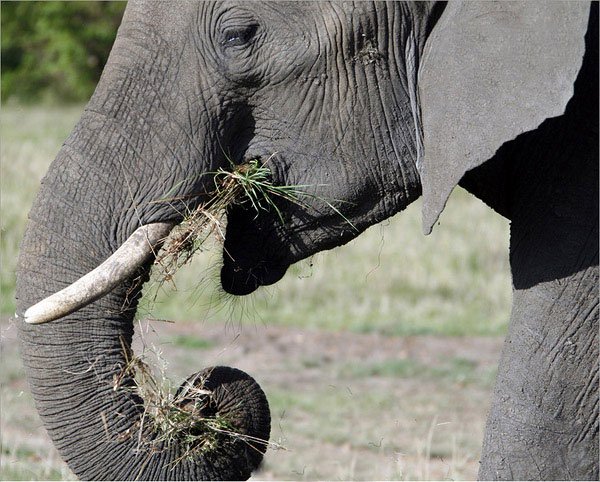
x=178 y=417
x=188 y=416
x=248 y=183
x=245 y=184
x=251 y=183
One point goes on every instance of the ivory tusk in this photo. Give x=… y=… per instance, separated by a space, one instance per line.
x=122 y=264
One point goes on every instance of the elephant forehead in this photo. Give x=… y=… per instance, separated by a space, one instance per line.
x=161 y=16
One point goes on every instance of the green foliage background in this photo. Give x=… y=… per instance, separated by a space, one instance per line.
x=55 y=51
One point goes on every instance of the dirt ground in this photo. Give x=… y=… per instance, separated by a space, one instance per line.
x=344 y=405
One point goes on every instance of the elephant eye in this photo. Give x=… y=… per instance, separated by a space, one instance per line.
x=239 y=36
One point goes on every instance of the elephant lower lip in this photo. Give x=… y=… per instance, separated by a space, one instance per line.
x=241 y=282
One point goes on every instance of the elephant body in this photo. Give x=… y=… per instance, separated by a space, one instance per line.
x=368 y=105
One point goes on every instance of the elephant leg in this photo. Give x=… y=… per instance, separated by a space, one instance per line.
x=543 y=422
x=544 y=419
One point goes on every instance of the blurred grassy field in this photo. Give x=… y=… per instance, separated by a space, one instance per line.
x=391 y=282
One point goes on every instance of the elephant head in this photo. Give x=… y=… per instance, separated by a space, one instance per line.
x=365 y=105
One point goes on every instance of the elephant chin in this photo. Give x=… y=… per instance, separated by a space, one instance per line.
x=239 y=280
x=254 y=254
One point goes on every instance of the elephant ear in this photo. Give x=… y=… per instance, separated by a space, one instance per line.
x=490 y=71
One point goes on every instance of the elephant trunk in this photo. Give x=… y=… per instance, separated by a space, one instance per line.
x=78 y=366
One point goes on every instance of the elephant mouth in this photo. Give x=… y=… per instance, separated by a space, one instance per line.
x=256 y=248
x=253 y=252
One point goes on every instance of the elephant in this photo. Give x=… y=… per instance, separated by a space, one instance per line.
x=368 y=105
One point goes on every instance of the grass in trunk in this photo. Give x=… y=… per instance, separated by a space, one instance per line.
x=185 y=416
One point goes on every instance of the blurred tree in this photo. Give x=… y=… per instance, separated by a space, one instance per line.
x=55 y=50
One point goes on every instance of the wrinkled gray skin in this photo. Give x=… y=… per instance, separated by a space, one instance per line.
x=328 y=92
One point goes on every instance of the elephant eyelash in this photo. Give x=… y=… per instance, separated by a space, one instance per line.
x=239 y=36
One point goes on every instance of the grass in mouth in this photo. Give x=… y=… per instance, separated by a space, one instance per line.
x=249 y=183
